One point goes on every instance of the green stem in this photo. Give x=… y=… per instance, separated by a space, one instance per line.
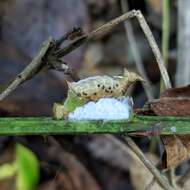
x=165 y=35
x=141 y=125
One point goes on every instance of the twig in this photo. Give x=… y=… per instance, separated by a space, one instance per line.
x=118 y=143
x=171 y=176
x=170 y=173
x=55 y=53
x=165 y=35
x=158 y=176
x=97 y=33
x=124 y=149
x=109 y=26
x=154 y=48
x=44 y=59
x=30 y=70
x=136 y=53
x=75 y=32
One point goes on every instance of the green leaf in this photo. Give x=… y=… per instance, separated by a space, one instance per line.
x=7 y=171
x=70 y=104
x=27 y=168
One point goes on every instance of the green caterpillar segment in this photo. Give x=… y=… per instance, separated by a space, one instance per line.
x=96 y=87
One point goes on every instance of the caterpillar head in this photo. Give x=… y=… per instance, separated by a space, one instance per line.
x=132 y=77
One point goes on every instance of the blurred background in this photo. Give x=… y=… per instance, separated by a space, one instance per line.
x=88 y=162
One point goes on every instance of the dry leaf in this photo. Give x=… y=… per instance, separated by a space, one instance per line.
x=177 y=150
x=177 y=92
x=171 y=106
x=173 y=102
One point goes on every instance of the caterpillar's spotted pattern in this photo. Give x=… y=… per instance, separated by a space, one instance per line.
x=96 y=87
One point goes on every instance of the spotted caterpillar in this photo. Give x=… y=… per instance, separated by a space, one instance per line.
x=96 y=87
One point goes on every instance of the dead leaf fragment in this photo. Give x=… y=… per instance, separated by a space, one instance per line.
x=177 y=150
x=177 y=92
x=171 y=106
x=173 y=102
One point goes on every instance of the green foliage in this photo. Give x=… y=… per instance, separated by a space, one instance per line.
x=25 y=168
x=7 y=171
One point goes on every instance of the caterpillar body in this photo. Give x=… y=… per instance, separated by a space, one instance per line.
x=96 y=87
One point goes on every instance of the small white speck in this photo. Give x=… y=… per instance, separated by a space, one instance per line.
x=173 y=129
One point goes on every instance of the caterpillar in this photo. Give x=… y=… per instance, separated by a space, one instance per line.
x=96 y=87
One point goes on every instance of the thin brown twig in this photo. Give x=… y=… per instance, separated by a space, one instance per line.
x=54 y=54
x=32 y=68
x=109 y=26
x=97 y=33
x=170 y=173
x=171 y=176
x=136 y=53
x=154 y=48
x=44 y=59
x=162 y=180
x=118 y=143
x=75 y=32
